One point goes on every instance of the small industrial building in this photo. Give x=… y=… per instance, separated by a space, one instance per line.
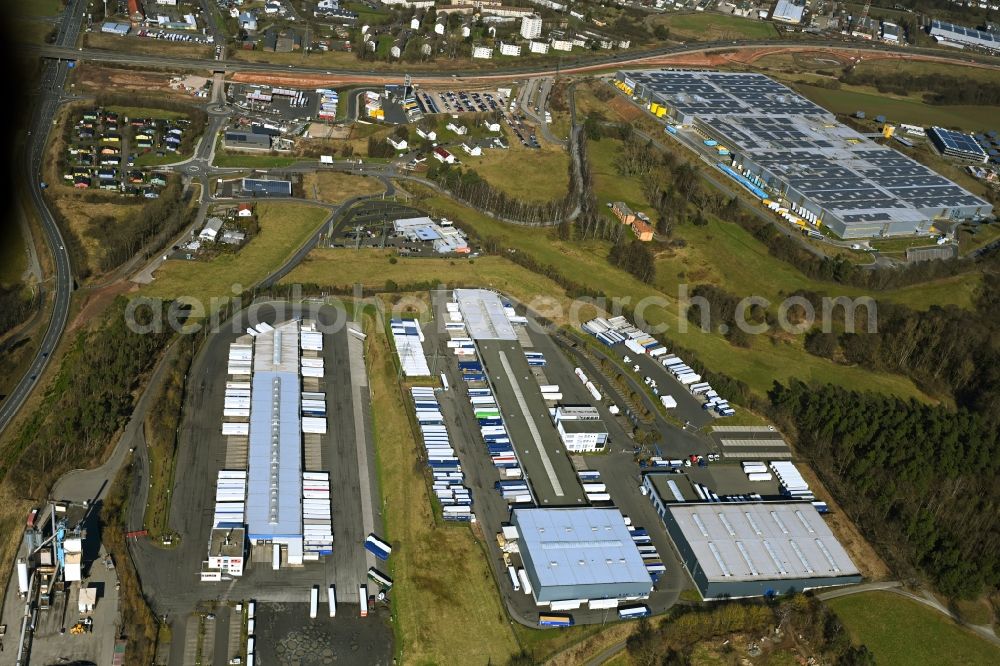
x=781 y=146
x=444 y=237
x=787 y=11
x=580 y=428
x=267 y=188
x=752 y=549
x=246 y=141
x=580 y=554
x=227 y=551
x=958 y=145
x=211 y=230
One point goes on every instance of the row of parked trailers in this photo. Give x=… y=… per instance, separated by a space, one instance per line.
x=230 y=498
x=686 y=376
x=408 y=340
x=589 y=385
x=650 y=558
x=449 y=481
x=595 y=490
x=792 y=483
x=616 y=330
x=317 y=522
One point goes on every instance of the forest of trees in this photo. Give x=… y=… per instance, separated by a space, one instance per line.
x=152 y=223
x=945 y=350
x=635 y=257
x=16 y=306
x=75 y=424
x=921 y=481
x=938 y=88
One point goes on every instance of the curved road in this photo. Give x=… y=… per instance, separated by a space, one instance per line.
x=52 y=81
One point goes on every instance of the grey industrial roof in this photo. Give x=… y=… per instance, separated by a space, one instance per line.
x=761 y=541
x=803 y=144
x=248 y=139
x=579 y=546
x=484 y=315
x=536 y=442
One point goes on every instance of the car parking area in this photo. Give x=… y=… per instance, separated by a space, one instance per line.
x=461 y=101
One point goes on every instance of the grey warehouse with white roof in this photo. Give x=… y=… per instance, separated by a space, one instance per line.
x=577 y=553
x=735 y=550
x=802 y=154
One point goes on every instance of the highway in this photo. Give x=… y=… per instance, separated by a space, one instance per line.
x=52 y=82
x=582 y=64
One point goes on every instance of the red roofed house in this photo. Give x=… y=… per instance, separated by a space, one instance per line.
x=442 y=155
x=244 y=210
x=643 y=231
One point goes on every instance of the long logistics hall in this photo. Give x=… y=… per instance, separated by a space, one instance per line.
x=784 y=146
x=274 y=419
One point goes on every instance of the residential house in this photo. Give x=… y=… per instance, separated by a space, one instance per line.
x=244 y=210
x=442 y=155
x=473 y=150
x=460 y=130
x=482 y=52
x=430 y=136
x=642 y=230
x=623 y=212
x=398 y=144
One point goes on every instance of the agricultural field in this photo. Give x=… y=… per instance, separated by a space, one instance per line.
x=710 y=27
x=903 y=632
x=424 y=589
x=585 y=263
x=284 y=227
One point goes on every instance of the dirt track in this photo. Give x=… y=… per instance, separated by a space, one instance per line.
x=716 y=58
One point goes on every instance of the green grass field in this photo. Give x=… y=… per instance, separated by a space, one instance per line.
x=901 y=110
x=917 y=67
x=40 y=8
x=540 y=175
x=710 y=27
x=766 y=361
x=146 y=112
x=460 y=597
x=903 y=632
x=608 y=185
x=284 y=227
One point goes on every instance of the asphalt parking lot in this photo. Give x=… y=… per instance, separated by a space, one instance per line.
x=287 y=636
x=460 y=101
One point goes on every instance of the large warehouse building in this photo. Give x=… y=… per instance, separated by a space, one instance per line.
x=274 y=416
x=735 y=550
x=577 y=554
x=797 y=151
